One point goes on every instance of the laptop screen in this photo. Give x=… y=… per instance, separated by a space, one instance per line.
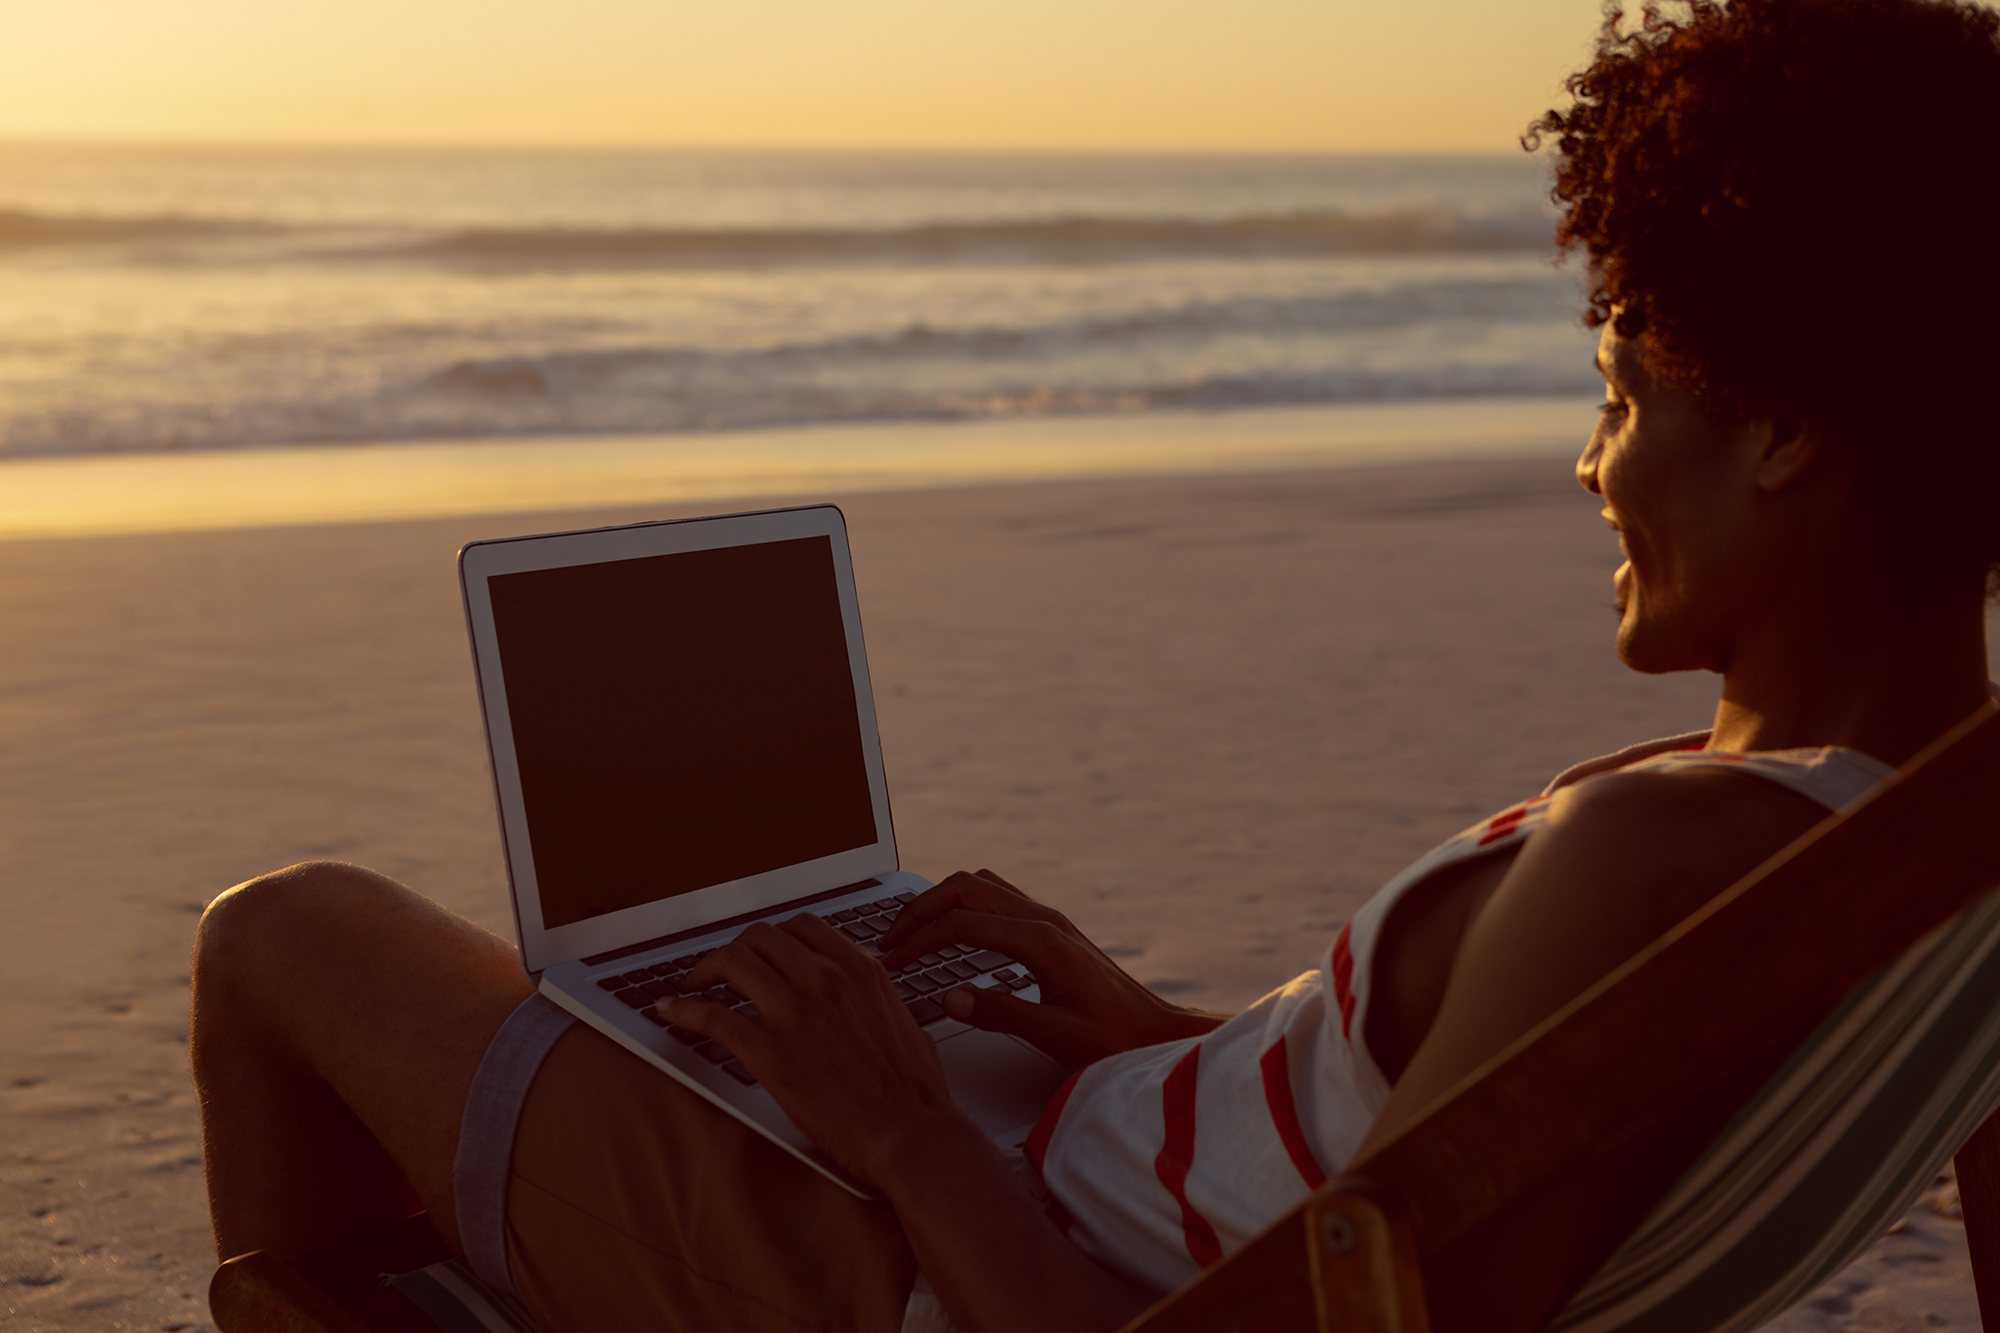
x=680 y=721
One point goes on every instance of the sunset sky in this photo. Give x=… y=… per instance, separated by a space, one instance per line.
x=1035 y=74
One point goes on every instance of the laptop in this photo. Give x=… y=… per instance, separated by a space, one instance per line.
x=683 y=741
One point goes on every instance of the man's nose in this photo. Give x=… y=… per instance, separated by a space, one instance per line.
x=1586 y=464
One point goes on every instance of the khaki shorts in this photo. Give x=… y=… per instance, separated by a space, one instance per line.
x=631 y=1203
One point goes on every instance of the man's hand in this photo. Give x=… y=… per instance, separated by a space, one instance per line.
x=830 y=1041
x=1090 y=1007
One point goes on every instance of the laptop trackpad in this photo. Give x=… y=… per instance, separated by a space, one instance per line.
x=999 y=1082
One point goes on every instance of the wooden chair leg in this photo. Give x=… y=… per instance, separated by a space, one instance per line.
x=1365 y=1271
x=338 y=1289
x=1978 y=1164
x=1346 y=1263
x=257 y=1293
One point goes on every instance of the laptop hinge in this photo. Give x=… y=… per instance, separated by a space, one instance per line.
x=647 y=946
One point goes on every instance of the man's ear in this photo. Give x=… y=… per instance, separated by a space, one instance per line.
x=1790 y=448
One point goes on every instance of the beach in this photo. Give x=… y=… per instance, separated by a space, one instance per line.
x=1205 y=715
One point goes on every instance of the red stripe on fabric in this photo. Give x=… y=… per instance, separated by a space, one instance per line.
x=1177 y=1156
x=1503 y=823
x=1038 y=1138
x=1343 y=978
x=1277 y=1069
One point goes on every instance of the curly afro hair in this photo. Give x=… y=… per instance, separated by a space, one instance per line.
x=1797 y=203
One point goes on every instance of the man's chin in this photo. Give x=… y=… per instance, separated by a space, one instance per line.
x=1634 y=650
x=1634 y=655
x=1646 y=650
x=1637 y=649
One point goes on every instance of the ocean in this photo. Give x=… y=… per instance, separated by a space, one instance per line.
x=205 y=298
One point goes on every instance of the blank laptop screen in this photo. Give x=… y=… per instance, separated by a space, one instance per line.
x=680 y=721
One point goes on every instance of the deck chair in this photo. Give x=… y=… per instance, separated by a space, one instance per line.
x=1761 y=1093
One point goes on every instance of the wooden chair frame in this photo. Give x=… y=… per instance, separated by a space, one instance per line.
x=1370 y=1252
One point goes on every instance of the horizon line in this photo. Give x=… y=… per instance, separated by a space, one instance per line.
x=9 y=138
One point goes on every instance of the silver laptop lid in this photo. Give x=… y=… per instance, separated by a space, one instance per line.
x=680 y=721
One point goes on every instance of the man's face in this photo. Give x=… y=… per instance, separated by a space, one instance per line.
x=1679 y=488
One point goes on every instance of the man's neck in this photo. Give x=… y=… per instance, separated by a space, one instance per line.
x=1866 y=673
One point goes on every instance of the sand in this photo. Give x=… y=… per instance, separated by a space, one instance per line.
x=95 y=494
x=1203 y=715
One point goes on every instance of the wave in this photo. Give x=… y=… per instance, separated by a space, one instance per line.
x=271 y=422
x=19 y=230
x=652 y=393
x=1406 y=332
x=916 y=346
x=1065 y=240
x=1056 y=240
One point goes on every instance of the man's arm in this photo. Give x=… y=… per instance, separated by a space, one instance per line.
x=1621 y=859
x=993 y=1257
x=841 y=1055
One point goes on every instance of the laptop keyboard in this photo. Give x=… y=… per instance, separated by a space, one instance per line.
x=917 y=985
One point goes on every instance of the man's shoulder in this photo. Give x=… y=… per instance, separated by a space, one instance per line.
x=1675 y=838
x=1631 y=754
x=1727 y=786
x=1671 y=808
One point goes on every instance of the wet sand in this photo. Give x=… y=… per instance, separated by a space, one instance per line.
x=1203 y=715
x=98 y=494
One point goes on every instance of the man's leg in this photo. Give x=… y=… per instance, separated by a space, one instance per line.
x=338 y=1020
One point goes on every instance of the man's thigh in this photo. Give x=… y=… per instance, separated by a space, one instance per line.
x=633 y=1203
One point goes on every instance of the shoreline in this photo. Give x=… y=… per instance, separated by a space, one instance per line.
x=108 y=494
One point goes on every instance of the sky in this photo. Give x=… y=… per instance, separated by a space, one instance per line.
x=1065 y=75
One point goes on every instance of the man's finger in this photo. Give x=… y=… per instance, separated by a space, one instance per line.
x=961 y=889
x=994 y=1010
x=748 y=964
x=827 y=945
x=817 y=934
x=986 y=874
x=929 y=905
x=713 y=1020
x=1023 y=939
x=745 y=1038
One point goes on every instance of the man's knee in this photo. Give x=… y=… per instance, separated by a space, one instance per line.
x=264 y=922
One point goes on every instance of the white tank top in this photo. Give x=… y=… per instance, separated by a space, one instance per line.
x=1160 y=1161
